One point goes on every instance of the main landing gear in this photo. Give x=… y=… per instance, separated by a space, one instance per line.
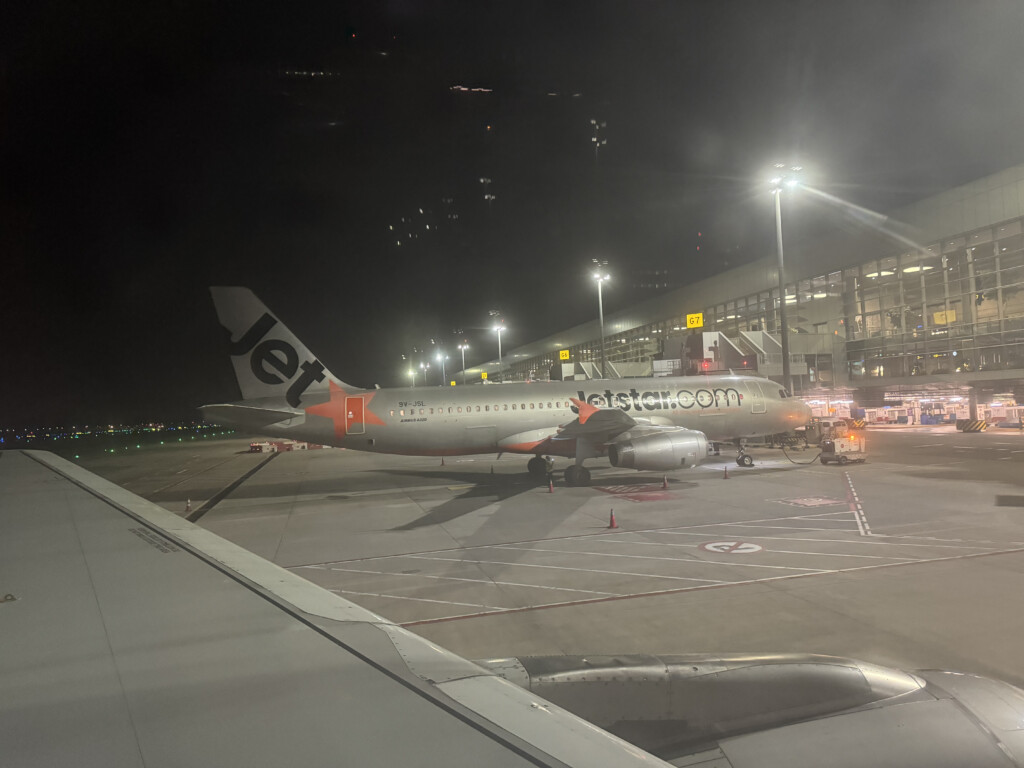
x=540 y=467
x=537 y=467
x=577 y=474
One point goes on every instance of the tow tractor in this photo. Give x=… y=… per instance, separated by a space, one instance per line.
x=843 y=450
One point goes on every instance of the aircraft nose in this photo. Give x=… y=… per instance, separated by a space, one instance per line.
x=800 y=413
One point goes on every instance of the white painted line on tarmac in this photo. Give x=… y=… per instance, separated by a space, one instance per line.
x=417 y=599
x=842 y=512
x=928 y=445
x=724 y=585
x=784 y=527
x=620 y=540
x=878 y=539
x=488 y=582
x=857 y=509
x=567 y=568
x=685 y=561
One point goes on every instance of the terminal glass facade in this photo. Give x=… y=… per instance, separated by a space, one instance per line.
x=955 y=306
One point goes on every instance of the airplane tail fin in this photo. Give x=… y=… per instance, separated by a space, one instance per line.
x=268 y=359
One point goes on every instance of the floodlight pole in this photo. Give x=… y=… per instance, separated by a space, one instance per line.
x=787 y=381
x=600 y=314
x=499 y=329
x=463 y=348
x=784 y=177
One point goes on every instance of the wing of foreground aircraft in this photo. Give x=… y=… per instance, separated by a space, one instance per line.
x=129 y=636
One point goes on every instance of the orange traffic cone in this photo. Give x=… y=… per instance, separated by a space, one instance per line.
x=611 y=519
x=188 y=505
x=664 y=482
x=725 y=474
x=551 y=485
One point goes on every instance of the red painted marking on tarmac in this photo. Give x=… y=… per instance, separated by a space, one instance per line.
x=636 y=492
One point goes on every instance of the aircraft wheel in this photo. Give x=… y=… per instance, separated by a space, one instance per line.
x=537 y=466
x=582 y=476
x=746 y=460
x=571 y=473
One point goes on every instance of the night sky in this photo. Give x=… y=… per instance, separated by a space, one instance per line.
x=150 y=150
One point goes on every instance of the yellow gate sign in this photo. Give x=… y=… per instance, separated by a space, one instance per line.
x=483 y=375
x=695 y=321
x=563 y=354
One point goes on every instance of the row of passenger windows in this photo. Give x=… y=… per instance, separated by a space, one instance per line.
x=455 y=409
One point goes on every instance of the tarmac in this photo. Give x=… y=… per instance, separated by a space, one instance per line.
x=913 y=559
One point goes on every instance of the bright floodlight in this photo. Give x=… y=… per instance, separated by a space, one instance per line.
x=784 y=176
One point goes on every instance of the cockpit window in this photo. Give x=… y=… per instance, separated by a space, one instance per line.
x=782 y=394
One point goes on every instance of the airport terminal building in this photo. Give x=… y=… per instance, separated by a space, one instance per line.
x=918 y=316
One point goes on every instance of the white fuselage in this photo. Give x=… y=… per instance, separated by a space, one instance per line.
x=521 y=417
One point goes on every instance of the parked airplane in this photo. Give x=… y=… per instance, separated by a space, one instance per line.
x=645 y=424
x=132 y=637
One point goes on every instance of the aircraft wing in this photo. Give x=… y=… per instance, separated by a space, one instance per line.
x=131 y=637
x=596 y=424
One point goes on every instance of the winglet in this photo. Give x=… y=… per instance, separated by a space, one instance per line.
x=586 y=409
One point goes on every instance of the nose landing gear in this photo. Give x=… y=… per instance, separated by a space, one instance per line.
x=743 y=459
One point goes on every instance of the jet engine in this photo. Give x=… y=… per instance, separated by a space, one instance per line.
x=788 y=709
x=677 y=449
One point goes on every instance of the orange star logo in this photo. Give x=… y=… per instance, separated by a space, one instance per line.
x=344 y=411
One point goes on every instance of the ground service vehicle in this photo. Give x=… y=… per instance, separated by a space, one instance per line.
x=843 y=450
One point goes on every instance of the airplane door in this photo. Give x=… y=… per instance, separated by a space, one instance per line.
x=354 y=424
x=756 y=397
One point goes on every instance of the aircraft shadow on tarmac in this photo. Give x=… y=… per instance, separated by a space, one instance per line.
x=484 y=490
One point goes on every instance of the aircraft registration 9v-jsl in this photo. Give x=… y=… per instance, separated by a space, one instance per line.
x=658 y=424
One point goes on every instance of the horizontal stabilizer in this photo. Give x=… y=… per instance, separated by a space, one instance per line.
x=245 y=415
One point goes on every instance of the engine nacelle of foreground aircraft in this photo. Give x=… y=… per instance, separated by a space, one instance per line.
x=788 y=709
x=678 y=449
